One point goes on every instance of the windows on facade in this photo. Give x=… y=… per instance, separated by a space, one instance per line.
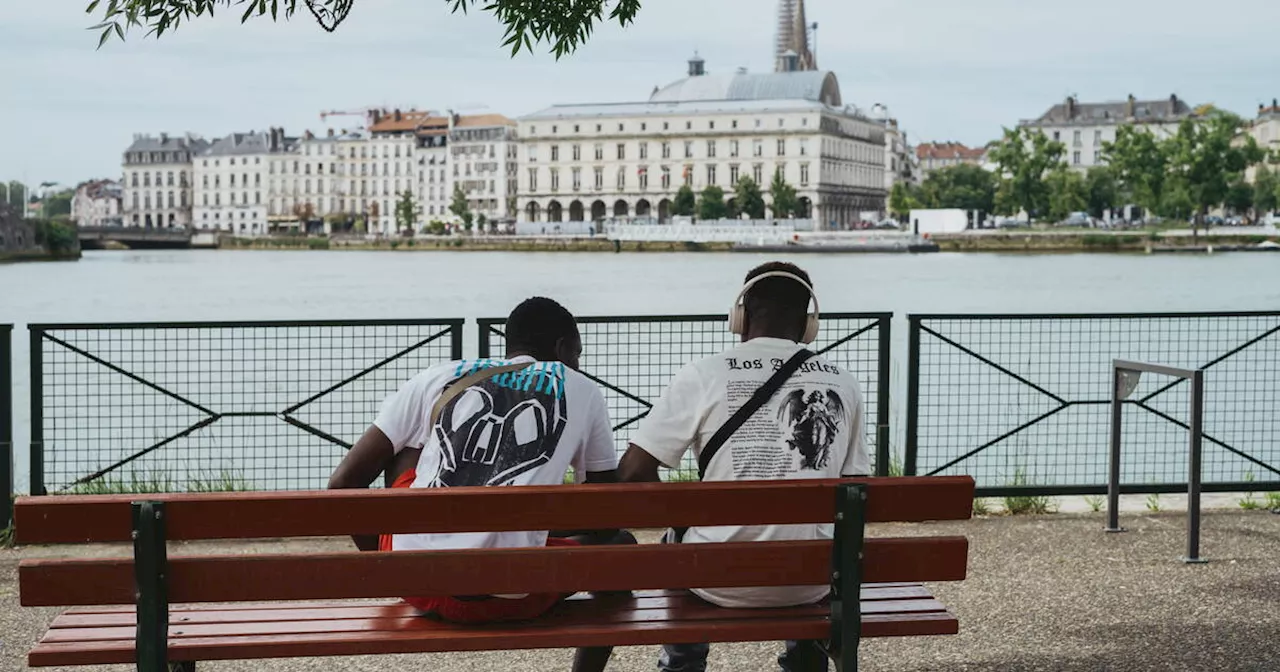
x=666 y=177
x=711 y=149
x=533 y=179
x=622 y=151
x=733 y=174
x=757 y=173
x=599 y=151
x=688 y=149
x=804 y=174
x=599 y=181
x=711 y=173
x=644 y=150
x=757 y=148
x=643 y=177
x=555 y=152
x=577 y=179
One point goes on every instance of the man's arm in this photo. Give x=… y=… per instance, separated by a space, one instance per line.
x=372 y=455
x=638 y=466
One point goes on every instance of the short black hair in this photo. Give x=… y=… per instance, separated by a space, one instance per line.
x=537 y=324
x=781 y=301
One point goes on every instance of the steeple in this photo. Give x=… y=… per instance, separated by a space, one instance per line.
x=791 y=49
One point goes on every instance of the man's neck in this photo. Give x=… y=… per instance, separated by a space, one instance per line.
x=769 y=333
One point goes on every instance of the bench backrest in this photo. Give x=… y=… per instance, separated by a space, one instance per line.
x=224 y=578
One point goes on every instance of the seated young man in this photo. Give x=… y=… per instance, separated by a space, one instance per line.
x=526 y=425
x=812 y=427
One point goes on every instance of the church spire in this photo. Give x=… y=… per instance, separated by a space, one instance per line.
x=791 y=50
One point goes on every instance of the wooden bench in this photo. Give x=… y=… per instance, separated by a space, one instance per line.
x=874 y=581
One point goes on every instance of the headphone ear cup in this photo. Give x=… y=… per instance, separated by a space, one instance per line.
x=811 y=328
x=736 y=318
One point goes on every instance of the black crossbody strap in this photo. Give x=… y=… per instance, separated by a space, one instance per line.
x=760 y=398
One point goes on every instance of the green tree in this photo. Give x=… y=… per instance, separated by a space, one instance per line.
x=1102 y=191
x=1141 y=164
x=1239 y=196
x=406 y=211
x=17 y=193
x=1266 y=190
x=460 y=208
x=711 y=203
x=564 y=26
x=785 y=204
x=748 y=197
x=902 y=200
x=1176 y=202
x=1206 y=158
x=1067 y=192
x=685 y=202
x=964 y=186
x=57 y=204
x=1024 y=158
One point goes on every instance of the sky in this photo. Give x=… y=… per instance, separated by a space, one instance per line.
x=946 y=69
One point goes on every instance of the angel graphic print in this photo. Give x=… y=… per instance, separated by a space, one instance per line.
x=813 y=427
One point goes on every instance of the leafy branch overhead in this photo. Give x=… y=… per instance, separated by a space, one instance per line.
x=564 y=25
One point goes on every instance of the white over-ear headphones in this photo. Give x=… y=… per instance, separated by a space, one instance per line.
x=738 y=314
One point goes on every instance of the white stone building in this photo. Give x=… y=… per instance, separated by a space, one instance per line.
x=98 y=203
x=484 y=156
x=1085 y=127
x=157 y=180
x=931 y=156
x=232 y=183
x=391 y=169
x=899 y=156
x=1265 y=130
x=589 y=162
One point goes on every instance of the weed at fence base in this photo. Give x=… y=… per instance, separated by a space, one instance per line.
x=156 y=482
x=1027 y=504
x=1095 y=502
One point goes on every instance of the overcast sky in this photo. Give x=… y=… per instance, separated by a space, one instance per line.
x=947 y=69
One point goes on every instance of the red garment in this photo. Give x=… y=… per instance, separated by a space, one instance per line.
x=479 y=610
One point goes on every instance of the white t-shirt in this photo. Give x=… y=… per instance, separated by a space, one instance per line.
x=813 y=427
x=519 y=428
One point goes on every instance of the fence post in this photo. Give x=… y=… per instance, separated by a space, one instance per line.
x=1113 y=471
x=36 y=368
x=483 y=341
x=6 y=425
x=455 y=339
x=913 y=394
x=1193 y=468
x=883 y=381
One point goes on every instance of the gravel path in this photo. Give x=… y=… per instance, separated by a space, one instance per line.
x=1044 y=593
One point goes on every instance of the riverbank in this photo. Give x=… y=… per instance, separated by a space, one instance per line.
x=1099 y=241
x=1033 y=241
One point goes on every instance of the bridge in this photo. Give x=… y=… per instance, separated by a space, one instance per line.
x=134 y=238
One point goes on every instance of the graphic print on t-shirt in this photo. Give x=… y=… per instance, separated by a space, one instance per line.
x=502 y=427
x=813 y=419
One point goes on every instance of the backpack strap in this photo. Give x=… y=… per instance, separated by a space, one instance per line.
x=460 y=385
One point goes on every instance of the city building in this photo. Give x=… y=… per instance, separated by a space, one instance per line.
x=592 y=161
x=1085 y=127
x=900 y=164
x=792 y=44
x=157 y=180
x=484 y=154
x=931 y=156
x=98 y=203
x=1265 y=130
x=435 y=182
x=392 y=170
x=232 y=187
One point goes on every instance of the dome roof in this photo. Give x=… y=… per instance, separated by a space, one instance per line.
x=815 y=85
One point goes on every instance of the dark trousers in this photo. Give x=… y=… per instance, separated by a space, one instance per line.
x=798 y=656
x=803 y=656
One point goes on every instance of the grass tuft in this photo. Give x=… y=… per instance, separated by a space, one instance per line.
x=1273 y=501
x=1153 y=502
x=6 y=536
x=152 y=482
x=981 y=507
x=1027 y=504
x=1095 y=502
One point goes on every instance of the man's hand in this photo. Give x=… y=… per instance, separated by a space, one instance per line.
x=638 y=466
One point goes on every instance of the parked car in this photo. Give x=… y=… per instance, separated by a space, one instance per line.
x=1011 y=223
x=888 y=223
x=1077 y=219
x=1213 y=220
x=1235 y=220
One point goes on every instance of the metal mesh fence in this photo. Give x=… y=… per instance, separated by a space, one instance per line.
x=633 y=359
x=192 y=406
x=1021 y=401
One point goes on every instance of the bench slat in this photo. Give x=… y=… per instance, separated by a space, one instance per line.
x=45 y=582
x=252 y=613
x=106 y=518
x=443 y=637
x=611 y=613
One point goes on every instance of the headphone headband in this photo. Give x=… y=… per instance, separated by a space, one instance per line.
x=737 y=313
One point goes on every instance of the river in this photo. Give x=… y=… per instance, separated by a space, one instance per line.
x=116 y=286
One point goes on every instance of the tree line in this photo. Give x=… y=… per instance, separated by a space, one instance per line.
x=1183 y=175
x=748 y=199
